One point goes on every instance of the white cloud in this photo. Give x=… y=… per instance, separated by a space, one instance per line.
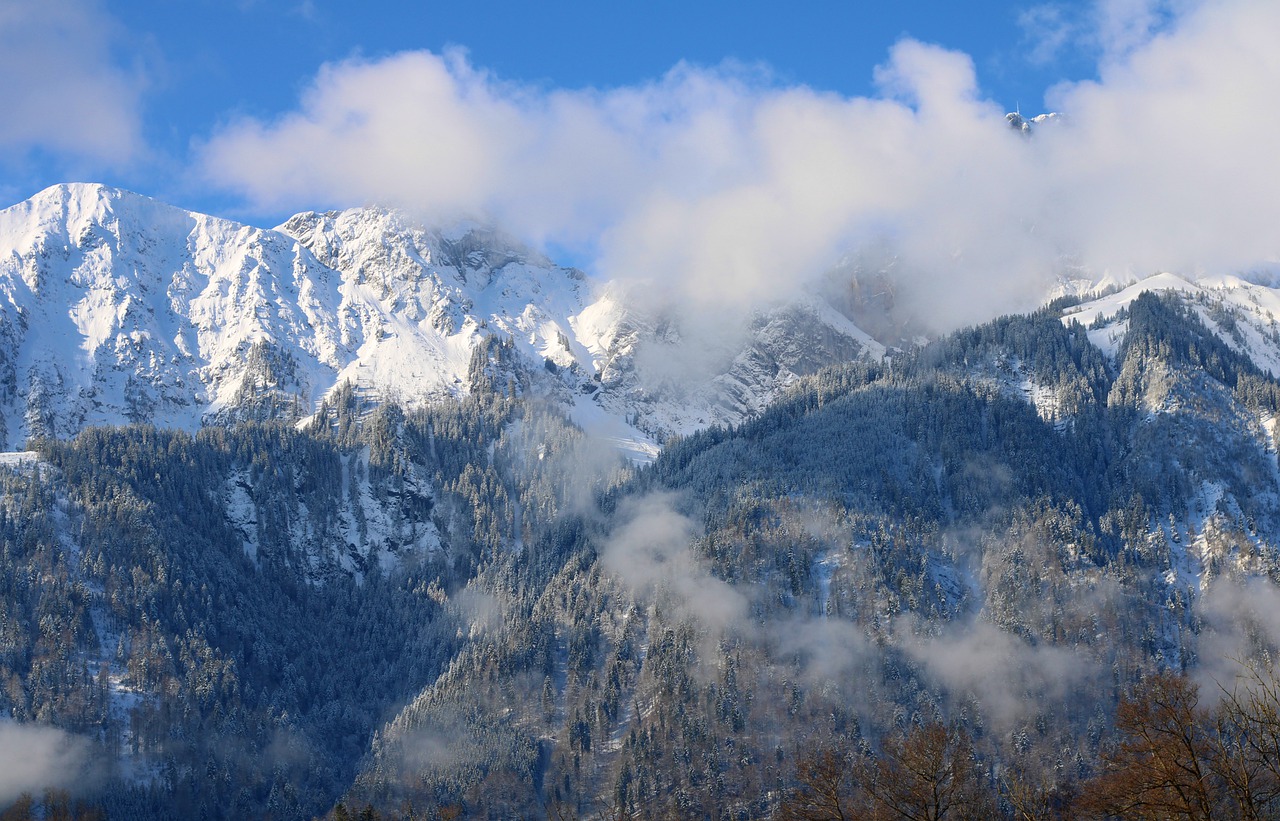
x=1122 y=26
x=1047 y=30
x=1168 y=161
x=720 y=185
x=36 y=757
x=1009 y=677
x=1105 y=30
x=650 y=551
x=1241 y=626
x=414 y=129
x=62 y=89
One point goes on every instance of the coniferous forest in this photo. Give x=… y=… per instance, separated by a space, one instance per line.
x=904 y=590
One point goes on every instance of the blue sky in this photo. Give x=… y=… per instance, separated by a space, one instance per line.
x=190 y=67
x=255 y=56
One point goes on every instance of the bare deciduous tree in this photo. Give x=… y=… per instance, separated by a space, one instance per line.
x=827 y=790
x=931 y=774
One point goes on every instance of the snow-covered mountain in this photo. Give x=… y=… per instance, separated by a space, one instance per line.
x=1028 y=125
x=117 y=308
x=440 y=609
x=1240 y=312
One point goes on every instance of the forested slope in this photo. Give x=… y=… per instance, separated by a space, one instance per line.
x=981 y=547
x=886 y=547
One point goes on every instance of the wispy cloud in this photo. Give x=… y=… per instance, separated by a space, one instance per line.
x=1241 y=626
x=1047 y=30
x=63 y=90
x=1106 y=30
x=1010 y=678
x=649 y=550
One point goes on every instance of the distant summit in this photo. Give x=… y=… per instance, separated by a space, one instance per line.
x=1028 y=126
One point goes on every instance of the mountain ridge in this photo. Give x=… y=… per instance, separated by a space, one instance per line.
x=120 y=308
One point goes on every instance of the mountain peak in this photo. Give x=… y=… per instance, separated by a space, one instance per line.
x=88 y=193
x=461 y=244
x=115 y=307
x=1028 y=126
x=77 y=204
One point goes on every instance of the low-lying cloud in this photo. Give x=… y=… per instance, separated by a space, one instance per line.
x=1011 y=678
x=34 y=758
x=650 y=550
x=720 y=184
x=1241 y=627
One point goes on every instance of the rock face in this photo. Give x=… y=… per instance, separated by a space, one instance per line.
x=115 y=308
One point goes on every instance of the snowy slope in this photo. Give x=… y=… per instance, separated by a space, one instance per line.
x=1242 y=313
x=115 y=308
x=413 y=303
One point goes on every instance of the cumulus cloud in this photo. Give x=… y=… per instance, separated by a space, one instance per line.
x=720 y=185
x=34 y=758
x=62 y=89
x=1173 y=142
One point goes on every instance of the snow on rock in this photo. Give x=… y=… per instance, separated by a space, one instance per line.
x=1242 y=313
x=115 y=308
x=1044 y=398
x=416 y=302
x=368 y=523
